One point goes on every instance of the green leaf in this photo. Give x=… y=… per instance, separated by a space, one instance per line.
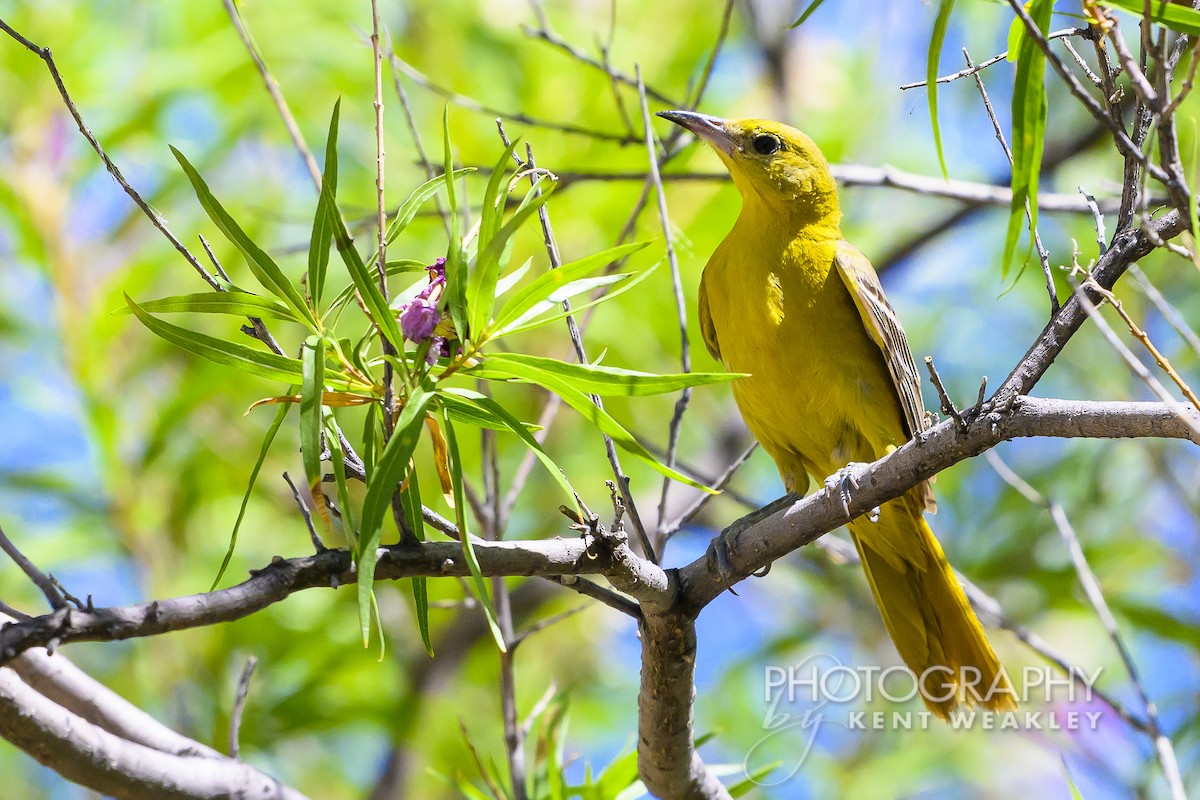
x=511 y=279
x=389 y=471
x=533 y=321
x=1028 y=131
x=455 y=296
x=337 y=459
x=322 y=230
x=1176 y=17
x=312 y=391
x=267 y=365
x=593 y=378
x=462 y=410
x=235 y=303
x=549 y=284
x=488 y=406
x=493 y=208
x=419 y=197
x=482 y=290
x=931 y=74
x=808 y=12
x=464 y=534
x=276 y=424
x=365 y=279
x=566 y=388
x=265 y=270
x=1016 y=31
x=411 y=501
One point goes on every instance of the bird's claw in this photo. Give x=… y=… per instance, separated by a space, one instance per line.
x=718 y=561
x=842 y=482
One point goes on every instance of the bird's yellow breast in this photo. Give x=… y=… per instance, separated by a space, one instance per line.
x=819 y=394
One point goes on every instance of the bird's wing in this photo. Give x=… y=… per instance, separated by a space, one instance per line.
x=707 y=330
x=884 y=328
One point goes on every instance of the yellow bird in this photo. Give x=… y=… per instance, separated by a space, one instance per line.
x=831 y=381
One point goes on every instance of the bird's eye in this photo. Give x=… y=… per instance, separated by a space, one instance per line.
x=765 y=144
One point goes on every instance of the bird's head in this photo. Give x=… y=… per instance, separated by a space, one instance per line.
x=770 y=162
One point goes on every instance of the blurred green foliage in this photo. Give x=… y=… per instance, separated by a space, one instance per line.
x=127 y=458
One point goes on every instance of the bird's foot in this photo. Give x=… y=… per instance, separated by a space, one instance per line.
x=843 y=483
x=718 y=561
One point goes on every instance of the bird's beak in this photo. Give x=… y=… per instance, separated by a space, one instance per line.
x=711 y=129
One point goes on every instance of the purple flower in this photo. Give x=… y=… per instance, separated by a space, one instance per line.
x=418 y=319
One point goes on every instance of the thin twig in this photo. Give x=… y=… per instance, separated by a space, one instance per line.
x=1043 y=256
x=1144 y=338
x=685 y=356
x=154 y=217
x=281 y=105
x=1135 y=365
x=239 y=705
x=416 y=76
x=1164 y=306
x=45 y=583
x=304 y=512
x=543 y=624
x=700 y=502
x=544 y=33
x=1091 y=587
x=947 y=405
x=982 y=65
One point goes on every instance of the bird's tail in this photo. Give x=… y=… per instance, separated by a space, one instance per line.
x=926 y=612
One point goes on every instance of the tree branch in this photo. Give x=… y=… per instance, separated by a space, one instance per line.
x=778 y=529
x=106 y=762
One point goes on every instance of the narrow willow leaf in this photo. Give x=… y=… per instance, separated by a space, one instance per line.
x=312 y=389
x=481 y=287
x=336 y=458
x=420 y=196
x=510 y=280
x=1028 y=131
x=371 y=427
x=411 y=500
x=463 y=410
x=365 y=282
x=537 y=321
x=493 y=409
x=1173 y=15
x=595 y=379
x=276 y=424
x=556 y=298
x=493 y=208
x=808 y=12
x=545 y=285
x=455 y=297
x=403 y=265
x=931 y=74
x=234 y=303
x=565 y=388
x=382 y=483
x=464 y=535
x=246 y=358
x=1016 y=32
x=482 y=292
x=265 y=270
x=322 y=230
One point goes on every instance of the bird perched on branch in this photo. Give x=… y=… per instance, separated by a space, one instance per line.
x=831 y=382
